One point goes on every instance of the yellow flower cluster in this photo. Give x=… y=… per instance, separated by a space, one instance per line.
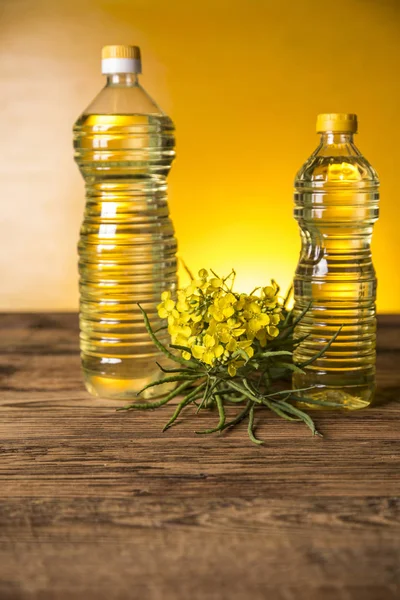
x=218 y=325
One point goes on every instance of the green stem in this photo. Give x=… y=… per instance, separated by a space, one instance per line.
x=159 y=345
x=172 y=379
x=322 y=351
x=239 y=417
x=249 y=387
x=299 y=413
x=283 y=392
x=162 y=328
x=188 y=370
x=287 y=296
x=243 y=391
x=151 y=405
x=307 y=400
x=288 y=367
x=290 y=329
x=189 y=398
x=234 y=400
x=222 y=418
x=272 y=353
x=272 y=406
x=207 y=393
x=188 y=271
x=250 y=427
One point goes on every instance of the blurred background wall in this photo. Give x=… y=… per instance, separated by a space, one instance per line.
x=243 y=81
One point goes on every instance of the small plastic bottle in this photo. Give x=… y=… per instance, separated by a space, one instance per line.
x=336 y=206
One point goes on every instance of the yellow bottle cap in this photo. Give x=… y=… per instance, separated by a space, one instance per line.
x=121 y=59
x=120 y=52
x=337 y=122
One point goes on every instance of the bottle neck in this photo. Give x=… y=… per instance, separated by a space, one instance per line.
x=123 y=79
x=329 y=138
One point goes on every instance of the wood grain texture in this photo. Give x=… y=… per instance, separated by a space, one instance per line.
x=98 y=504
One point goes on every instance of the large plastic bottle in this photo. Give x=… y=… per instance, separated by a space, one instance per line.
x=124 y=147
x=336 y=206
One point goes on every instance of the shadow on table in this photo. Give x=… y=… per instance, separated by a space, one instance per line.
x=386 y=395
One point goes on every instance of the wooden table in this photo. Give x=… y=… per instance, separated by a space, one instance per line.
x=96 y=504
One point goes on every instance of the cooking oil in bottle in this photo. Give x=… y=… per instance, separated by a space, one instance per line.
x=124 y=147
x=336 y=206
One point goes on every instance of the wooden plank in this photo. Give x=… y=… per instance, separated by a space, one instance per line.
x=99 y=504
x=153 y=548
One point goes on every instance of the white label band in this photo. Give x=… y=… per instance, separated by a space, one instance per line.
x=121 y=65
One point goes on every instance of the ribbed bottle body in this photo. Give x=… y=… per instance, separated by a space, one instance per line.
x=127 y=247
x=336 y=206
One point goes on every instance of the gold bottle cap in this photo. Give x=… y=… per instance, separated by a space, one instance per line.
x=121 y=59
x=337 y=122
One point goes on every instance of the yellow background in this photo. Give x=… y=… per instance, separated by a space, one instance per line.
x=243 y=81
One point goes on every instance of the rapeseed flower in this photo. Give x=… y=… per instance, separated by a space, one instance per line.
x=218 y=326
